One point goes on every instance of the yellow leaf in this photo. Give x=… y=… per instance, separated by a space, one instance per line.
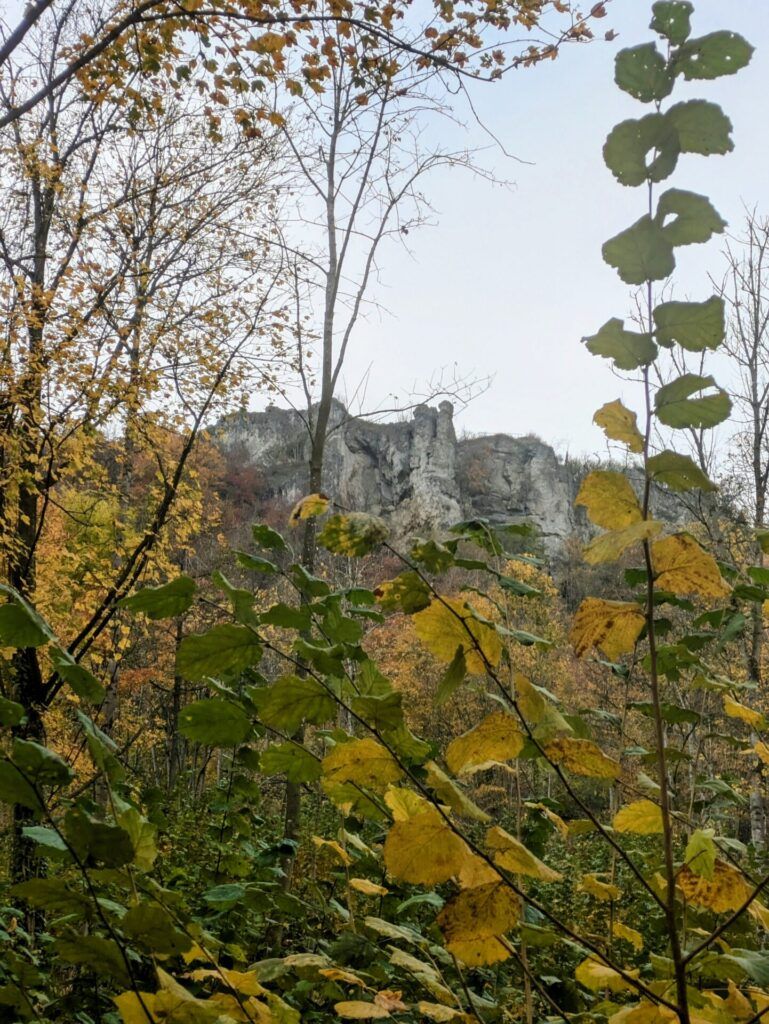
x=346 y=977
x=425 y=973
x=308 y=508
x=582 y=757
x=604 y=891
x=727 y=890
x=614 y=626
x=450 y=623
x=683 y=567
x=195 y=952
x=759 y=997
x=579 y=827
x=737 y=1004
x=496 y=738
x=363 y=762
x=424 y=850
x=609 y=546
x=647 y=1013
x=368 y=888
x=610 y=500
x=405 y=803
x=752 y=718
x=622 y=931
x=130 y=1007
x=760 y=912
x=437 y=1012
x=451 y=794
x=476 y=871
x=244 y=982
x=476 y=915
x=357 y=1009
x=512 y=855
x=555 y=819
x=620 y=424
x=642 y=817
x=597 y=976
x=761 y=750
x=480 y=952
x=305 y=961
x=530 y=701
x=336 y=848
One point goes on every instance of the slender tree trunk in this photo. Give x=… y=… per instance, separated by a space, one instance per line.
x=28 y=684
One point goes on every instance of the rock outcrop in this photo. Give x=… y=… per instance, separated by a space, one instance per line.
x=413 y=472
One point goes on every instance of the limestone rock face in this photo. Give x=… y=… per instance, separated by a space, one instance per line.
x=414 y=472
x=509 y=479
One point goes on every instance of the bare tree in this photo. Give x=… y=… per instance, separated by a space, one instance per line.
x=363 y=157
x=745 y=289
x=137 y=282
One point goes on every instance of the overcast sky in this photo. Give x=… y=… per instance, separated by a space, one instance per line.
x=508 y=282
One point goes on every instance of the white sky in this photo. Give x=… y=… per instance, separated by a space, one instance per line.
x=508 y=282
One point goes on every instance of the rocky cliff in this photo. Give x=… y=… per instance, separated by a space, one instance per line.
x=414 y=472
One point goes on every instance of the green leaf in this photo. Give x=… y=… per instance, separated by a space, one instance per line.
x=14 y=788
x=696 y=326
x=750 y=962
x=696 y=219
x=291 y=760
x=676 y=408
x=268 y=538
x=308 y=584
x=21 y=626
x=40 y=765
x=643 y=72
x=242 y=600
x=629 y=144
x=452 y=677
x=701 y=852
x=141 y=833
x=328 y=661
x=701 y=127
x=225 y=896
x=517 y=587
x=214 y=722
x=407 y=746
x=712 y=56
x=407 y=593
x=354 y=534
x=101 y=747
x=82 y=682
x=678 y=472
x=150 y=926
x=53 y=894
x=11 y=713
x=46 y=837
x=433 y=555
x=163 y=602
x=255 y=563
x=382 y=712
x=287 y=617
x=672 y=19
x=101 y=955
x=641 y=253
x=628 y=349
x=292 y=700
x=98 y=841
x=224 y=648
